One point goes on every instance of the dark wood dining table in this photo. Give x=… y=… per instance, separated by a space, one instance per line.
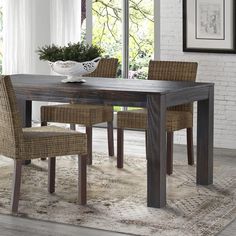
x=156 y=96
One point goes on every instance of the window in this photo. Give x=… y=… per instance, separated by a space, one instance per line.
x=107 y=25
x=108 y=18
x=141 y=37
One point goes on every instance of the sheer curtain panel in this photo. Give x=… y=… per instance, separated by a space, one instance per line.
x=29 y=24
x=65 y=21
x=18 y=36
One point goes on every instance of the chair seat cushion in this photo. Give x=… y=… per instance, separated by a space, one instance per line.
x=50 y=141
x=137 y=119
x=77 y=114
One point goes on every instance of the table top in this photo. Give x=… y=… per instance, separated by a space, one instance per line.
x=39 y=86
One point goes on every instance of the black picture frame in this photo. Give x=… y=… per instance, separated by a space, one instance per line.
x=209 y=41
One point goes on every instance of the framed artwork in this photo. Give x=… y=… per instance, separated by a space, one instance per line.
x=209 y=26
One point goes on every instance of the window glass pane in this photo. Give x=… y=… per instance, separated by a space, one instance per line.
x=141 y=37
x=107 y=27
x=107 y=32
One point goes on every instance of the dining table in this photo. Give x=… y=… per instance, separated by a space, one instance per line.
x=155 y=95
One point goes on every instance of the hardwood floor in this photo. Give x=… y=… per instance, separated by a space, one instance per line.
x=134 y=145
x=16 y=226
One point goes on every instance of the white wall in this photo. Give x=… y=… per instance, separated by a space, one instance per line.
x=217 y=68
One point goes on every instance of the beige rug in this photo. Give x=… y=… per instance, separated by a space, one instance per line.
x=117 y=198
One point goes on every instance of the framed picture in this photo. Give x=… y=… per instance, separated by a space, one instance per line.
x=209 y=26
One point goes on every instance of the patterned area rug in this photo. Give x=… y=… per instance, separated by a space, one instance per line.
x=117 y=198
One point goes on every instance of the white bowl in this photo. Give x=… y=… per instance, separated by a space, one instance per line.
x=73 y=69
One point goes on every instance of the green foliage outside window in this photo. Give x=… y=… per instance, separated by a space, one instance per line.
x=107 y=32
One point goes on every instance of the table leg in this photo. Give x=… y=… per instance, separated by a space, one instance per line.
x=156 y=152
x=25 y=107
x=205 y=120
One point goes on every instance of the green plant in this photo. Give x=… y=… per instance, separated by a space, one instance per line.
x=79 y=52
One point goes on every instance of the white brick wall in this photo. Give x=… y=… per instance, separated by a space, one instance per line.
x=217 y=68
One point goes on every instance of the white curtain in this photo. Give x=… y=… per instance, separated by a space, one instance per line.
x=29 y=24
x=65 y=21
x=18 y=18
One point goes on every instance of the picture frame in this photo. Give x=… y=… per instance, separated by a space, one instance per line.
x=209 y=26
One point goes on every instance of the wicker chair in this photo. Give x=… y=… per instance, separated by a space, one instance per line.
x=30 y=143
x=177 y=118
x=87 y=115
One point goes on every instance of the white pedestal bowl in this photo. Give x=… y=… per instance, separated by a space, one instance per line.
x=74 y=70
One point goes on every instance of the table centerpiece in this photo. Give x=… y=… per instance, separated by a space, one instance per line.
x=73 y=60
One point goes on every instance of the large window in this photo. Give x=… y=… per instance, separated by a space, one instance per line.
x=107 y=25
x=141 y=37
x=108 y=19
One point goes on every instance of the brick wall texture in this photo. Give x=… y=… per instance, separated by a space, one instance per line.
x=217 y=68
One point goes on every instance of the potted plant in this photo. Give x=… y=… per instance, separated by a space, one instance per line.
x=73 y=60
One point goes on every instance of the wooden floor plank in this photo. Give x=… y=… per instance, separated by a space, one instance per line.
x=12 y=226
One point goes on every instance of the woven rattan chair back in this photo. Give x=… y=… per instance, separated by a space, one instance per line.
x=107 y=68
x=10 y=122
x=174 y=71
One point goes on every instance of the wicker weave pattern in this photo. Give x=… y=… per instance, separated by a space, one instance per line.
x=174 y=71
x=178 y=117
x=49 y=141
x=30 y=143
x=84 y=114
x=137 y=119
x=77 y=114
x=10 y=123
x=107 y=68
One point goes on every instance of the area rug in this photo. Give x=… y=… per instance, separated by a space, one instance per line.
x=117 y=198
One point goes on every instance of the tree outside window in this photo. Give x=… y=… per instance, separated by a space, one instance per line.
x=107 y=31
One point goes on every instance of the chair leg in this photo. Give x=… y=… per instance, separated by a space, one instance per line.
x=110 y=138
x=82 y=181
x=190 y=146
x=44 y=123
x=120 y=147
x=146 y=143
x=51 y=174
x=16 y=186
x=89 y=145
x=73 y=126
x=169 y=153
